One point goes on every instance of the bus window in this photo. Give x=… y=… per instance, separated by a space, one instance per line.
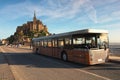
x=79 y=42
x=54 y=43
x=67 y=41
x=37 y=43
x=49 y=43
x=60 y=42
x=103 y=41
x=90 y=41
x=41 y=43
x=45 y=43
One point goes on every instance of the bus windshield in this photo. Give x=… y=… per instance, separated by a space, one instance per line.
x=91 y=41
x=103 y=41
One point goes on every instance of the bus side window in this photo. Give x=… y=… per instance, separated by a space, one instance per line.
x=67 y=41
x=40 y=43
x=49 y=43
x=54 y=43
x=45 y=43
x=79 y=42
x=60 y=42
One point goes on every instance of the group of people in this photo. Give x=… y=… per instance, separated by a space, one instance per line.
x=14 y=45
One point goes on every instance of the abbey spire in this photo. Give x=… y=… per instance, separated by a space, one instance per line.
x=34 y=22
x=34 y=18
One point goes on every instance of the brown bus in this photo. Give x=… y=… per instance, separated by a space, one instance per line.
x=88 y=46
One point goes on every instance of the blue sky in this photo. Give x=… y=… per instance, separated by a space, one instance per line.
x=62 y=15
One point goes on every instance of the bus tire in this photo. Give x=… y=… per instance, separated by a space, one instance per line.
x=64 y=56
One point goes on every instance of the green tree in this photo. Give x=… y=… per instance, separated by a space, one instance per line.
x=41 y=33
x=11 y=39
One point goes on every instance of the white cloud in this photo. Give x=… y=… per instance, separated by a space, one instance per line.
x=52 y=9
x=15 y=11
x=116 y=15
x=90 y=10
x=104 y=19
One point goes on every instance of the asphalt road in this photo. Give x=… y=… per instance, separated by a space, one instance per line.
x=28 y=66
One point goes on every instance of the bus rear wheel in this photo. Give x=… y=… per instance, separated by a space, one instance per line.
x=64 y=56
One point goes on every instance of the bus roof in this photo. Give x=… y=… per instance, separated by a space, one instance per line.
x=84 y=31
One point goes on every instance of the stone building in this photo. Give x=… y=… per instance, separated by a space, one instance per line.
x=35 y=25
x=4 y=41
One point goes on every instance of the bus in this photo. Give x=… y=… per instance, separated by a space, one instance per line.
x=87 y=46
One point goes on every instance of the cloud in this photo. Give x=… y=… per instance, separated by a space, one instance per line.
x=52 y=9
x=14 y=11
x=73 y=8
x=90 y=10
x=106 y=18
x=108 y=11
x=116 y=15
x=60 y=8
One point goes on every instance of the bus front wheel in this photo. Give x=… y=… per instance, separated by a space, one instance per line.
x=64 y=56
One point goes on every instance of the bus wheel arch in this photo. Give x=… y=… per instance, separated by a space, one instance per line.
x=64 y=56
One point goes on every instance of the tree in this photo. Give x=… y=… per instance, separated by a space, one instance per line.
x=11 y=39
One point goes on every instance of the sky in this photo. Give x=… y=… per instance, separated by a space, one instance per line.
x=62 y=15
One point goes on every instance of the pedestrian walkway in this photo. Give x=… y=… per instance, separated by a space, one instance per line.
x=5 y=72
x=25 y=47
x=114 y=59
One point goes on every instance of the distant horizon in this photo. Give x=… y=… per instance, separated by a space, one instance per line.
x=115 y=43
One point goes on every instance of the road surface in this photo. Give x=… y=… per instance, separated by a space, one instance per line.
x=25 y=65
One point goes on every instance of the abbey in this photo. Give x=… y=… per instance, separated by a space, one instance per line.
x=29 y=30
x=32 y=26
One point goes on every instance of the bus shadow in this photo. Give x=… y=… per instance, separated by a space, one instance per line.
x=33 y=60
x=30 y=60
